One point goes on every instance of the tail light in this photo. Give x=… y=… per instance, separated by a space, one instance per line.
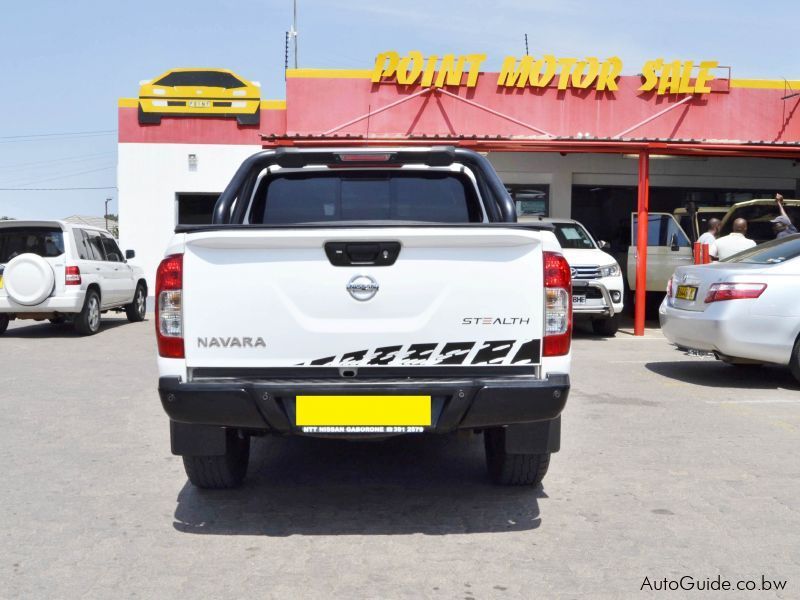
x=558 y=305
x=169 y=307
x=734 y=291
x=72 y=276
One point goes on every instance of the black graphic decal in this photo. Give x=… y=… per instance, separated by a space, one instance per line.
x=385 y=355
x=418 y=354
x=353 y=357
x=454 y=353
x=528 y=353
x=323 y=361
x=492 y=353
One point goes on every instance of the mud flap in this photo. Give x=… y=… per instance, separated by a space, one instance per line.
x=197 y=440
x=534 y=438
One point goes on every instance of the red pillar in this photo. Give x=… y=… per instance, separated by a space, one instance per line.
x=641 y=246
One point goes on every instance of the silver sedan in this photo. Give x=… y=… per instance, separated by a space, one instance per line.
x=745 y=309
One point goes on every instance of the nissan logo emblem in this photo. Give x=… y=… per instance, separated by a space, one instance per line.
x=362 y=287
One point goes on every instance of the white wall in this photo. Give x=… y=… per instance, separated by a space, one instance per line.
x=562 y=172
x=150 y=175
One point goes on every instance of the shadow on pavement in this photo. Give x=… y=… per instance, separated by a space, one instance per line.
x=432 y=485
x=63 y=330
x=713 y=373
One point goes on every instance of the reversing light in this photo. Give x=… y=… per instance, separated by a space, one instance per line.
x=558 y=305
x=169 y=307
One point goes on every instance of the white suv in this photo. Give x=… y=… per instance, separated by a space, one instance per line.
x=597 y=285
x=65 y=272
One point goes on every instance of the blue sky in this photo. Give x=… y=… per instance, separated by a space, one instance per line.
x=65 y=64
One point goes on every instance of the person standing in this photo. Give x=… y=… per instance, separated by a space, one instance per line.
x=710 y=237
x=782 y=224
x=734 y=242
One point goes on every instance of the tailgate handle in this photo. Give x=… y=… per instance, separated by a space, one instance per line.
x=355 y=254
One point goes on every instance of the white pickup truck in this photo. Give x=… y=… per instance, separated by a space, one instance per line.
x=364 y=293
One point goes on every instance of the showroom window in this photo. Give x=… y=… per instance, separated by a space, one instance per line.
x=195 y=209
x=530 y=199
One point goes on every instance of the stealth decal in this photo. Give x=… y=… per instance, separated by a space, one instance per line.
x=385 y=355
x=418 y=354
x=353 y=358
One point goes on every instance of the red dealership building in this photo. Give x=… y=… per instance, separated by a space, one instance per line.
x=570 y=138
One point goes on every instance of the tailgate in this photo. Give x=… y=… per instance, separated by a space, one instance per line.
x=458 y=296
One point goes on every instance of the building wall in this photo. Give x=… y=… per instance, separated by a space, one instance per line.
x=150 y=175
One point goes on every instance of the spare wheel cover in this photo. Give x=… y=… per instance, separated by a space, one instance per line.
x=28 y=279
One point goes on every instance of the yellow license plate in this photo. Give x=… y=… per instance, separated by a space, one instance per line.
x=199 y=103
x=1 y=282
x=363 y=410
x=686 y=292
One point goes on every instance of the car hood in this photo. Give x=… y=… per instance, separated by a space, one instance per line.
x=587 y=258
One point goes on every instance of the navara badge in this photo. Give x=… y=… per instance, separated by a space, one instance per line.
x=362 y=287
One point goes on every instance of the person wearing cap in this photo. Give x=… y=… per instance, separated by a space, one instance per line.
x=734 y=242
x=782 y=224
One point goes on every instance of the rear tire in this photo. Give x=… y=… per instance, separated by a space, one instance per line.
x=512 y=469
x=607 y=327
x=220 y=472
x=4 y=320
x=135 y=311
x=794 y=363
x=88 y=320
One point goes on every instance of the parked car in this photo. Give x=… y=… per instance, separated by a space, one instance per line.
x=597 y=286
x=66 y=273
x=363 y=293
x=200 y=92
x=743 y=309
x=669 y=246
x=758 y=214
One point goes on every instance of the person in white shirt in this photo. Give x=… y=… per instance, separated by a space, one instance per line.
x=735 y=242
x=710 y=237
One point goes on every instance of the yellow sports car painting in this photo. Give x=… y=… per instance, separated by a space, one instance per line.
x=199 y=92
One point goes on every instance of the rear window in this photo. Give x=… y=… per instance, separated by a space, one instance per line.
x=774 y=252
x=572 y=236
x=44 y=241
x=375 y=196
x=200 y=78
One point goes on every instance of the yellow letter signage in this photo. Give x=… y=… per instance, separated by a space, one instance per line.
x=677 y=77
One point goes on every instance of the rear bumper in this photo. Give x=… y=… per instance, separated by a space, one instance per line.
x=63 y=304
x=457 y=403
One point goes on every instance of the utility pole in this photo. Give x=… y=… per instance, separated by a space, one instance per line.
x=106 y=214
x=293 y=30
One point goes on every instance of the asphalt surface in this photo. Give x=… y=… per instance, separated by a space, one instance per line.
x=671 y=466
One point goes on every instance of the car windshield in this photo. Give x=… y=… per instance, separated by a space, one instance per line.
x=200 y=78
x=375 y=196
x=44 y=241
x=771 y=253
x=573 y=236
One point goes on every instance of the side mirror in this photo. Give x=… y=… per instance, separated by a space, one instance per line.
x=673 y=243
x=129 y=254
x=603 y=245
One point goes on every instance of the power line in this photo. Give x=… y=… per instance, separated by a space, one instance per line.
x=67 y=175
x=63 y=134
x=65 y=189
x=54 y=161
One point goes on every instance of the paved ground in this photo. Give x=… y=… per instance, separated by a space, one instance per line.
x=672 y=465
